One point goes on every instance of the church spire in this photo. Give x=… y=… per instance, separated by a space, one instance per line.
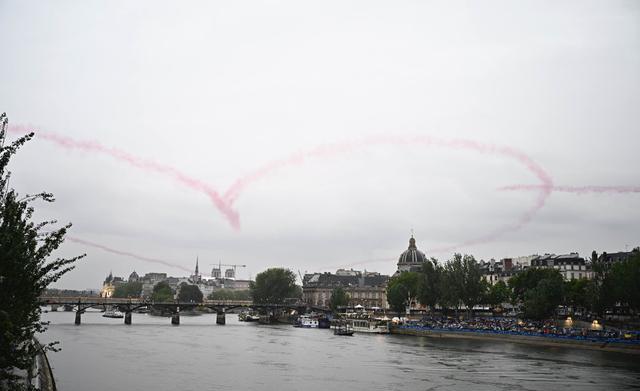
x=196 y=265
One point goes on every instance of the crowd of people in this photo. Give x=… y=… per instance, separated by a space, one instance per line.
x=505 y=325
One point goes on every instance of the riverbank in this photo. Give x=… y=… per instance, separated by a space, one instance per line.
x=44 y=378
x=538 y=340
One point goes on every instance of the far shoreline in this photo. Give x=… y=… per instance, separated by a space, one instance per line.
x=589 y=344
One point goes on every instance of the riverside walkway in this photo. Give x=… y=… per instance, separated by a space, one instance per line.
x=534 y=333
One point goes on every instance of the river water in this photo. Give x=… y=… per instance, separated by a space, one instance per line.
x=104 y=355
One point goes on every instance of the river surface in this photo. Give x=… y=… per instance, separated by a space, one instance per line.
x=103 y=354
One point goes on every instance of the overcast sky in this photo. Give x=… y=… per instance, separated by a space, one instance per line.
x=339 y=115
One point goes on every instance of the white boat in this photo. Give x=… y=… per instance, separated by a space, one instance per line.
x=248 y=316
x=307 y=321
x=365 y=324
x=113 y=313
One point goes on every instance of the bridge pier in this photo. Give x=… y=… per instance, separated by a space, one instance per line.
x=78 y=317
x=220 y=317
x=127 y=317
x=175 y=319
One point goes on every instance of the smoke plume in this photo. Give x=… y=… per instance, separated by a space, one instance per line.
x=126 y=253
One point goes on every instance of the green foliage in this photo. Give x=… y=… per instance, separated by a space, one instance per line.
x=429 y=283
x=529 y=279
x=397 y=297
x=623 y=281
x=615 y=284
x=452 y=283
x=473 y=286
x=498 y=293
x=162 y=292
x=189 y=293
x=129 y=289
x=541 y=301
x=25 y=269
x=539 y=290
x=273 y=286
x=575 y=292
x=230 y=294
x=402 y=290
x=339 y=298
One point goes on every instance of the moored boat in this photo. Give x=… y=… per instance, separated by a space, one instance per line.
x=113 y=313
x=248 y=316
x=306 y=321
x=343 y=327
x=365 y=323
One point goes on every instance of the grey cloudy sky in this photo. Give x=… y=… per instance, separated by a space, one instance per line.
x=218 y=90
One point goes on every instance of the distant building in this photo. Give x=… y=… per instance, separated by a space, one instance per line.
x=364 y=288
x=572 y=266
x=109 y=285
x=155 y=277
x=196 y=277
x=523 y=261
x=412 y=259
x=133 y=277
x=609 y=260
x=494 y=271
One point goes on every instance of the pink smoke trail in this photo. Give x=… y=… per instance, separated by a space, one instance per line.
x=224 y=203
x=144 y=164
x=126 y=253
x=578 y=189
x=335 y=149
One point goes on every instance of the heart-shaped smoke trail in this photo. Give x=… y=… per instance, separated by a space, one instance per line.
x=225 y=202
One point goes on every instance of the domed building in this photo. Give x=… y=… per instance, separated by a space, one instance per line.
x=134 y=277
x=412 y=259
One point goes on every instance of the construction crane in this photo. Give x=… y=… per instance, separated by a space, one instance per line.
x=220 y=265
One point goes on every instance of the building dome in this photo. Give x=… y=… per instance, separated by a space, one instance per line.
x=134 y=276
x=411 y=258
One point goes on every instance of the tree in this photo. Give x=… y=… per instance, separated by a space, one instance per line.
x=339 y=298
x=541 y=301
x=623 y=282
x=162 y=292
x=575 y=293
x=25 y=268
x=273 y=286
x=473 y=286
x=614 y=284
x=429 y=283
x=129 y=289
x=402 y=290
x=498 y=293
x=189 y=293
x=529 y=279
x=539 y=290
x=452 y=283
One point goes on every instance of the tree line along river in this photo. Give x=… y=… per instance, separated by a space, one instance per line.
x=104 y=354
